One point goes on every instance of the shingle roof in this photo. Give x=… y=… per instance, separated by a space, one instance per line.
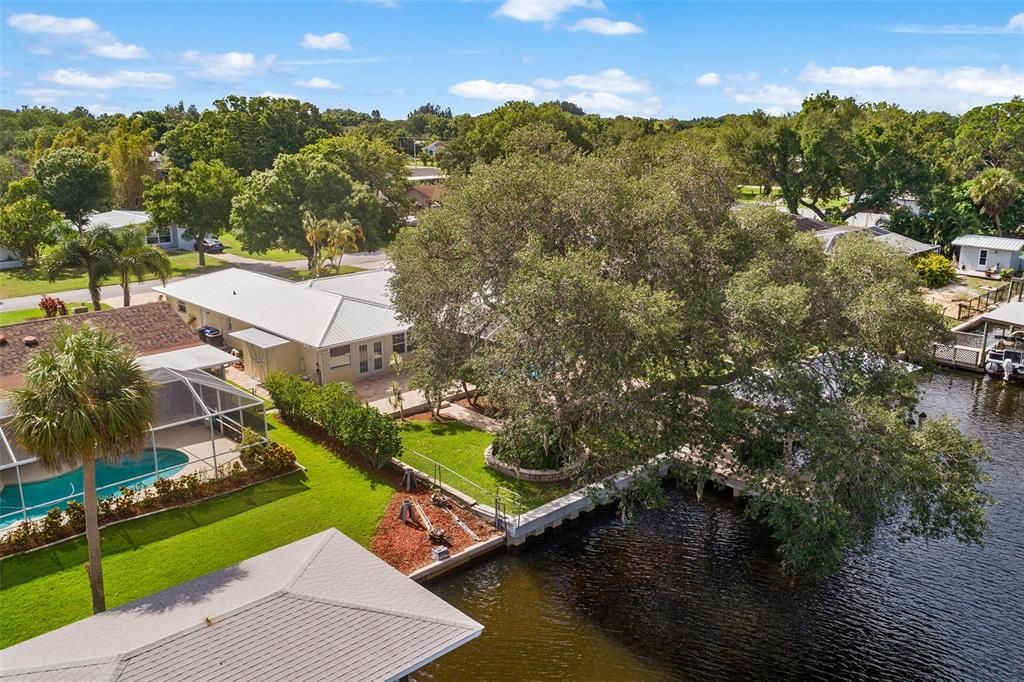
x=983 y=241
x=321 y=608
x=145 y=329
x=339 y=311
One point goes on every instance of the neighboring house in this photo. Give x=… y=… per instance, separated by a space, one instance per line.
x=340 y=328
x=9 y=259
x=425 y=195
x=152 y=330
x=320 y=608
x=425 y=174
x=983 y=253
x=434 y=147
x=831 y=234
x=170 y=238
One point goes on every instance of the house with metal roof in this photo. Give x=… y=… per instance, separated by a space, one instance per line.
x=986 y=254
x=321 y=608
x=342 y=328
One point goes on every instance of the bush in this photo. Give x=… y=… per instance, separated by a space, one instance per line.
x=335 y=409
x=935 y=270
x=272 y=458
x=52 y=306
x=1006 y=274
x=288 y=392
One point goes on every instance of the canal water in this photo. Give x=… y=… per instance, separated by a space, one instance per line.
x=693 y=593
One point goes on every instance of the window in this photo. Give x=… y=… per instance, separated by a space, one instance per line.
x=378 y=355
x=341 y=356
x=181 y=307
x=983 y=257
x=364 y=362
x=160 y=236
x=398 y=343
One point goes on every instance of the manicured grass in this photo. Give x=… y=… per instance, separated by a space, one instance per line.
x=28 y=282
x=16 y=316
x=233 y=246
x=303 y=275
x=46 y=589
x=461 y=448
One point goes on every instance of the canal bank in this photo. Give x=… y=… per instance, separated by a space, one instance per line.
x=694 y=592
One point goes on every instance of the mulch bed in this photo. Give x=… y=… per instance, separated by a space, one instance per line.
x=405 y=545
x=483 y=406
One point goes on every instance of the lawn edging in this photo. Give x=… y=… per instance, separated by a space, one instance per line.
x=535 y=475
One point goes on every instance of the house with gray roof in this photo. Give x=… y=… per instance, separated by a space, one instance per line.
x=987 y=254
x=342 y=328
x=321 y=608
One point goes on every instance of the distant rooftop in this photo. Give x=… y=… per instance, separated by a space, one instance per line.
x=116 y=219
x=984 y=241
x=321 y=608
x=424 y=173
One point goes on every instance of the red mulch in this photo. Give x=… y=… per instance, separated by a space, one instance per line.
x=406 y=546
x=426 y=417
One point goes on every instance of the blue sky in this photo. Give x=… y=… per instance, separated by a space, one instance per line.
x=669 y=58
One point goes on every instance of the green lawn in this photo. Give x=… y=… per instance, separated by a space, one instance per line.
x=461 y=448
x=233 y=246
x=44 y=590
x=28 y=282
x=977 y=283
x=16 y=316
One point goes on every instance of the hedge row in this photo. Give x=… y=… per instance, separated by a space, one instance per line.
x=336 y=410
x=261 y=461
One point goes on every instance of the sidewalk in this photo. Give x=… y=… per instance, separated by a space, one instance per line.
x=471 y=418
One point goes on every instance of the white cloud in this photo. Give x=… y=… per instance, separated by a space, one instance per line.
x=45 y=95
x=606 y=27
x=227 y=66
x=327 y=41
x=542 y=10
x=484 y=89
x=76 y=78
x=278 y=95
x=611 y=104
x=1014 y=25
x=529 y=59
x=101 y=109
x=768 y=94
x=117 y=50
x=318 y=83
x=51 y=25
x=609 y=80
x=81 y=31
x=1001 y=82
x=709 y=78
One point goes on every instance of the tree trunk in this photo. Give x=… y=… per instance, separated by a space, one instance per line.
x=92 y=534
x=201 y=250
x=999 y=226
x=94 y=286
x=126 y=286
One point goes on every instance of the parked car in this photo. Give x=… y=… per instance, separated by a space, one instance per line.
x=210 y=245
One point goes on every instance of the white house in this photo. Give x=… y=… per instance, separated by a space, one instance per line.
x=340 y=328
x=434 y=147
x=170 y=238
x=983 y=253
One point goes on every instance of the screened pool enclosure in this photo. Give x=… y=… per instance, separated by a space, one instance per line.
x=198 y=429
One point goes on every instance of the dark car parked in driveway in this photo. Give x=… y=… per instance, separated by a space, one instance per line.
x=210 y=245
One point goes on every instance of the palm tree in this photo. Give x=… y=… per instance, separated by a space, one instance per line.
x=86 y=399
x=993 y=191
x=343 y=237
x=317 y=231
x=92 y=251
x=132 y=257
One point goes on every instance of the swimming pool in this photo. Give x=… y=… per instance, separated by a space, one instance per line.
x=131 y=472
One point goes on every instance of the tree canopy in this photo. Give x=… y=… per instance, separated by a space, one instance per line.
x=74 y=181
x=617 y=316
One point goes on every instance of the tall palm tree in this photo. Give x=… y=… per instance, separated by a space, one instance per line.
x=317 y=231
x=993 y=191
x=91 y=251
x=131 y=257
x=343 y=237
x=86 y=399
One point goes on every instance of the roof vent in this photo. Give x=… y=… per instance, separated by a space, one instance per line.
x=31 y=341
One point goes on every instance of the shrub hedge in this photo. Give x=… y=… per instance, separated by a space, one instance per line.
x=335 y=409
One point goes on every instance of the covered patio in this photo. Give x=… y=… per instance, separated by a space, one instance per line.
x=198 y=429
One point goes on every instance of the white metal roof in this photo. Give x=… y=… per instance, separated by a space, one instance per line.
x=983 y=241
x=1008 y=313
x=321 y=608
x=259 y=338
x=203 y=356
x=115 y=219
x=371 y=286
x=300 y=312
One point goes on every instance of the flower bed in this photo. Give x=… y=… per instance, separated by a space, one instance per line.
x=523 y=474
x=259 y=462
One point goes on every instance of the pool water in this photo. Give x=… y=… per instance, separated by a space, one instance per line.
x=130 y=472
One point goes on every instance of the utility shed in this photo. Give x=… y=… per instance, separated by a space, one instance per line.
x=321 y=608
x=982 y=253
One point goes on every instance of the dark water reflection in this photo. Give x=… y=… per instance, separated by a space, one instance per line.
x=693 y=592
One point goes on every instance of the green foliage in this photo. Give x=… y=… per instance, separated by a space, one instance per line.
x=74 y=181
x=127 y=152
x=334 y=408
x=993 y=191
x=28 y=224
x=935 y=270
x=989 y=137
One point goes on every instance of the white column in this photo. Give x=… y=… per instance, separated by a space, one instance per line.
x=156 y=461
x=21 y=492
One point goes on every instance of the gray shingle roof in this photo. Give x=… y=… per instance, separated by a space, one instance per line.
x=321 y=608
